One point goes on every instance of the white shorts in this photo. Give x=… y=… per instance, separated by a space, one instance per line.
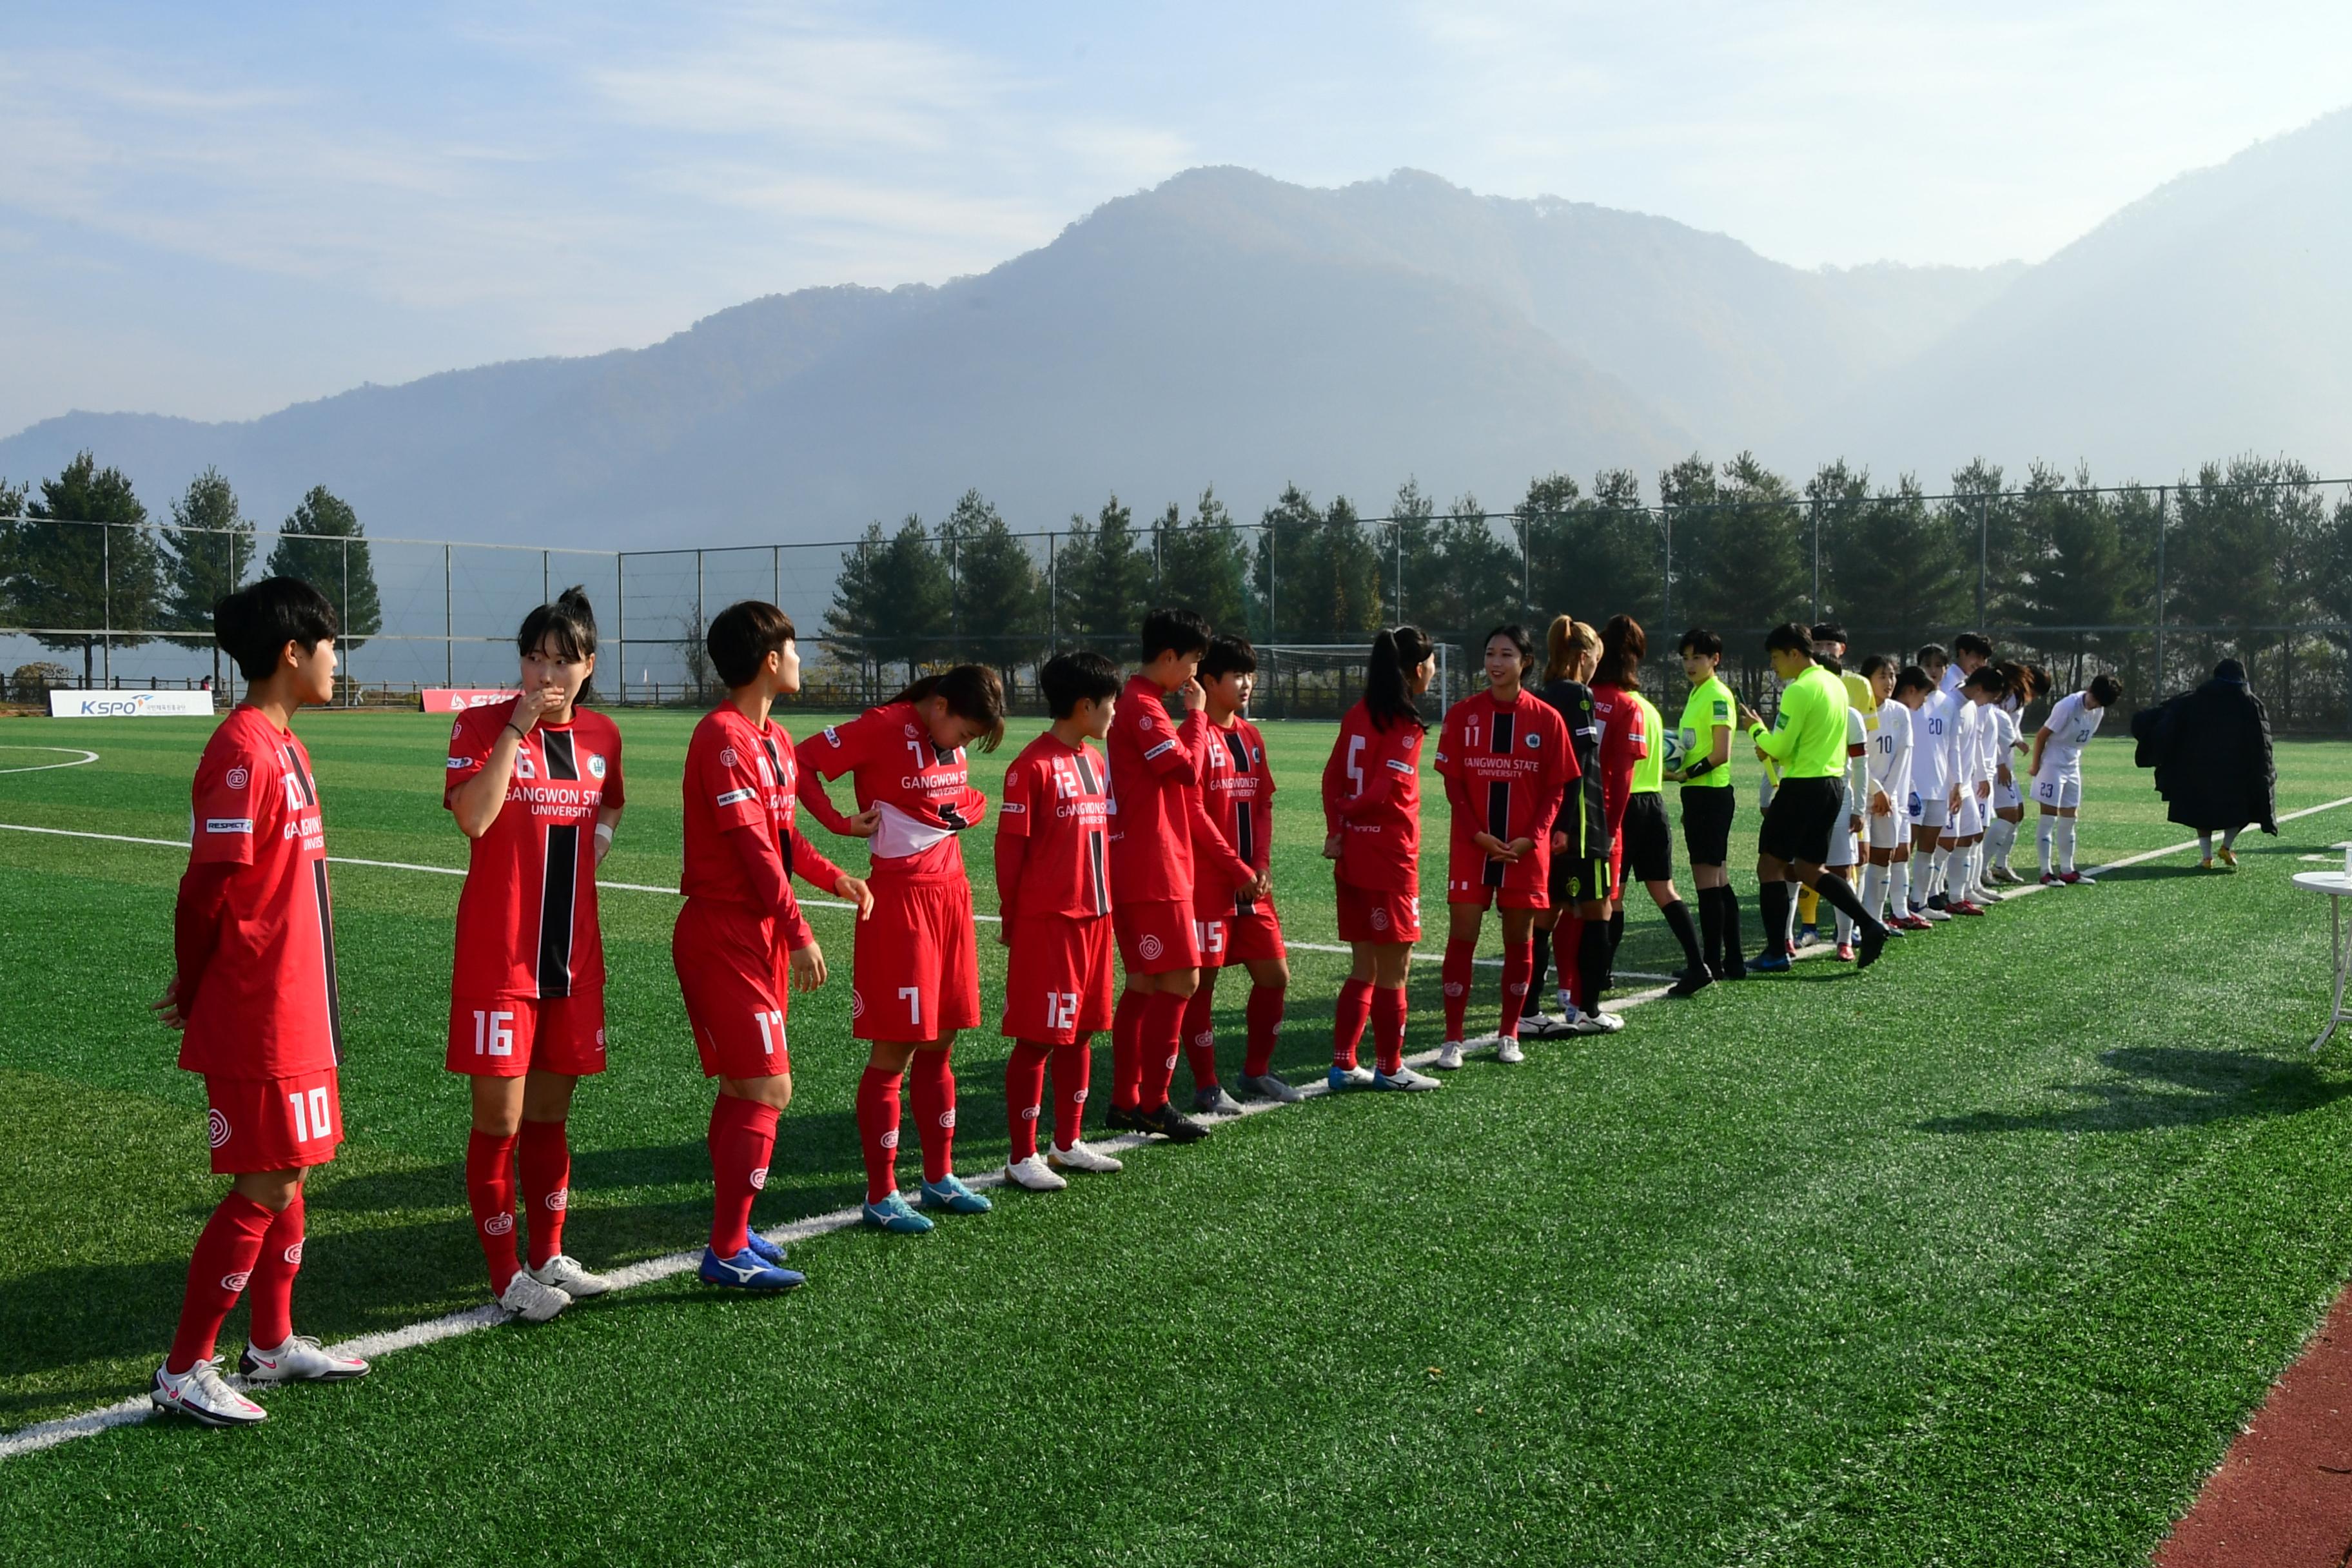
x=1930 y=809
x=2005 y=796
x=2063 y=791
x=1887 y=832
x=1969 y=820
x=1845 y=849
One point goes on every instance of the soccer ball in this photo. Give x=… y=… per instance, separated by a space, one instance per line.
x=1677 y=748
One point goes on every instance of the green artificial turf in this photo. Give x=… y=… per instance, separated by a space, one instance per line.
x=1979 y=1257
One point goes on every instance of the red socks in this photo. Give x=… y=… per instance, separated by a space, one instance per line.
x=1388 y=1028
x=1073 y=1064
x=490 y=1193
x=1456 y=972
x=1518 y=967
x=546 y=1160
x=742 y=1140
x=1349 y=1016
x=1127 y=1049
x=1265 y=1015
x=1024 y=1091
x=934 y=1111
x=273 y=1278
x=222 y=1262
x=1567 y=956
x=1199 y=1031
x=1162 y=1036
x=877 y=1130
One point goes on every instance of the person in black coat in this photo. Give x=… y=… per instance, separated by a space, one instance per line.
x=2211 y=748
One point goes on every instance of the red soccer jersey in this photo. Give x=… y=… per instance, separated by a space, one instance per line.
x=527 y=921
x=1371 y=798
x=925 y=792
x=1623 y=742
x=1053 y=854
x=265 y=1003
x=738 y=776
x=1156 y=802
x=1237 y=798
x=1504 y=766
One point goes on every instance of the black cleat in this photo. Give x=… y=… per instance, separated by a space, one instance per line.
x=1733 y=968
x=1869 y=942
x=1129 y=1119
x=1170 y=1123
x=1690 y=983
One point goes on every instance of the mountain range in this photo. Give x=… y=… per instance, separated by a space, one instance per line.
x=1231 y=330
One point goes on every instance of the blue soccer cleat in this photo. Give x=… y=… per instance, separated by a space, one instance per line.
x=895 y=1214
x=747 y=1270
x=768 y=1250
x=1768 y=963
x=949 y=1193
x=1341 y=1078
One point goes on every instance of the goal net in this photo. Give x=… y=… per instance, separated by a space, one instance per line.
x=1323 y=681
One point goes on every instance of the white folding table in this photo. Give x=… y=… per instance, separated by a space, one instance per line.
x=2337 y=886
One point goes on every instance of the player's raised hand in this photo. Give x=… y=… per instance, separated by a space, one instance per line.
x=808 y=966
x=1196 y=697
x=863 y=824
x=855 y=889
x=534 y=705
x=166 y=1007
x=1331 y=847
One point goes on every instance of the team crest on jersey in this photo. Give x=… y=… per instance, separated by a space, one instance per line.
x=1149 y=948
x=237 y=777
x=595 y=765
x=913 y=734
x=498 y=1224
x=234 y=1281
x=1534 y=740
x=216 y=1129
x=759 y=1177
x=726 y=758
x=1144 y=722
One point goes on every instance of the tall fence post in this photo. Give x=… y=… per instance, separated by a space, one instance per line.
x=1666 y=577
x=1396 y=538
x=775 y=573
x=1052 y=599
x=1983 y=560
x=345 y=616
x=449 y=624
x=1273 y=549
x=1815 y=505
x=1527 y=572
x=621 y=618
x=2163 y=513
x=105 y=591
x=546 y=582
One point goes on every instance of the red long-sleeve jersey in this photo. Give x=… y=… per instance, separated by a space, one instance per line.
x=1505 y=765
x=742 y=844
x=1371 y=798
x=1156 y=803
x=924 y=790
x=1624 y=741
x=1052 y=851
x=1237 y=800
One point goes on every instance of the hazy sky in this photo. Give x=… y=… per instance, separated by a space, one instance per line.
x=213 y=210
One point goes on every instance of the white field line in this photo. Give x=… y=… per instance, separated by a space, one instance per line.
x=80 y=758
x=65 y=1428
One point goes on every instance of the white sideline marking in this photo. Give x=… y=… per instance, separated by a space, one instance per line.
x=76 y=752
x=65 y=1428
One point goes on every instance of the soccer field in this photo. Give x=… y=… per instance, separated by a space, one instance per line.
x=1979 y=1257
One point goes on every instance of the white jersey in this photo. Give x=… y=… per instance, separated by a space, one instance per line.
x=1933 y=737
x=2004 y=735
x=1982 y=737
x=1890 y=754
x=2071 y=724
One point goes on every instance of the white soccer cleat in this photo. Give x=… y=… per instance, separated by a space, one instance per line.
x=1507 y=1049
x=1600 y=1023
x=1449 y=1057
x=1357 y=1076
x=1078 y=1157
x=201 y=1395
x=1932 y=915
x=301 y=1359
x=569 y=1276
x=531 y=1301
x=1033 y=1174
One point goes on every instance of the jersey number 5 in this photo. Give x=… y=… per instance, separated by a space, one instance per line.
x=1355 y=772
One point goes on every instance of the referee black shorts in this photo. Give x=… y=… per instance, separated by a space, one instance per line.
x=1648 y=843
x=1707 y=824
x=1802 y=816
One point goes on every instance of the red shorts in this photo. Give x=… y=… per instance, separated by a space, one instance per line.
x=506 y=1036
x=1232 y=938
x=1058 y=979
x=738 y=986
x=915 y=974
x=273 y=1123
x=1372 y=914
x=1471 y=891
x=1156 y=937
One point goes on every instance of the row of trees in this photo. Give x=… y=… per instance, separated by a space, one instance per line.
x=73 y=586
x=2243 y=551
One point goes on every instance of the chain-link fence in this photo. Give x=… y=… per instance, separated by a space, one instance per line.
x=2151 y=583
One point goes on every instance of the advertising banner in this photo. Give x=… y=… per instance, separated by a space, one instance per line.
x=450 y=698
x=87 y=704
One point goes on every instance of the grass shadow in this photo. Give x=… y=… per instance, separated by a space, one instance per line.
x=2165 y=1086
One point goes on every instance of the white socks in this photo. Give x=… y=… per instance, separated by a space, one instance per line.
x=2062 y=839
x=1874 y=891
x=2042 y=831
x=1898 y=886
x=2000 y=836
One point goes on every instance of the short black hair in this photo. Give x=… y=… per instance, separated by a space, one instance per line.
x=1874 y=663
x=1830 y=631
x=1911 y=678
x=1517 y=635
x=254 y=624
x=1789 y=636
x=1228 y=656
x=568 y=620
x=742 y=635
x=2108 y=689
x=1972 y=642
x=1932 y=653
x=1701 y=641
x=1173 y=629
x=1986 y=678
x=1083 y=675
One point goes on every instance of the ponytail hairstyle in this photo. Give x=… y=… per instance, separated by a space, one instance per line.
x=1567 y=640
x=2018 y=678
x=569 y=621
x=973 y=692
x=2108 y=689
x=1624 y=645
x=1387 y=676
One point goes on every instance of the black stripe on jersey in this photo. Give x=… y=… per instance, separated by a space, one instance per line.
x=1502 y=733
x=557 y=895
x=1498 y=823
x=1087 y=774
x=294 y=766
x=1097 y=881
x=562 y=762
x=326 y=956
x=776 y=772
x=1244 y=845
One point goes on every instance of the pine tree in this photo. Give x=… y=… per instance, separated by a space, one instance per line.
x=79 y=582
x=1203 y=564
x=998 y=599
x=916 y=602
x=1103 y=578
x=212 y=555
x=322 y=544
x=855 y=617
